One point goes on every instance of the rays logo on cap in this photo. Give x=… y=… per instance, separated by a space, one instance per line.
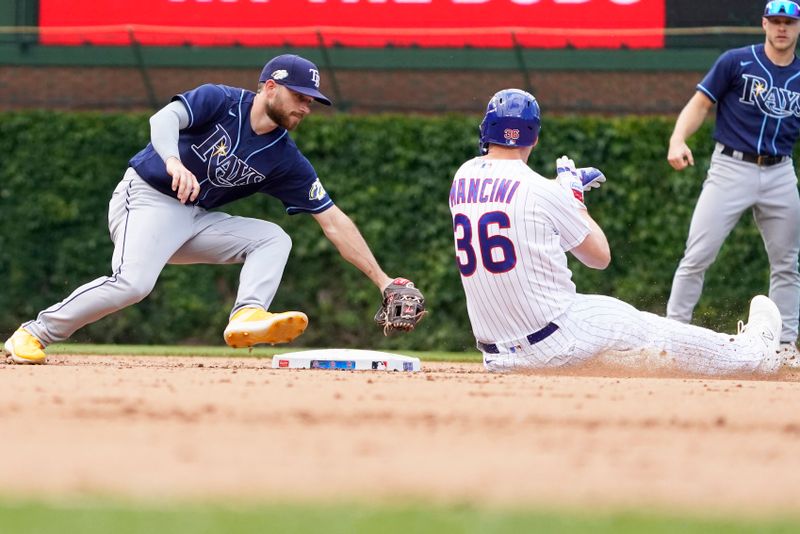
x=297 y=73
x=315 y=77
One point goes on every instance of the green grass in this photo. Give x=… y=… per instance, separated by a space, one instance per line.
x=265 y=352
x=349 y=518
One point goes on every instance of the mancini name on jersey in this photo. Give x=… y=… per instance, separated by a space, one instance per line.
x=482 y=191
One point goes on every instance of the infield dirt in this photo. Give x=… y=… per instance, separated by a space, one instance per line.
x=235 y=430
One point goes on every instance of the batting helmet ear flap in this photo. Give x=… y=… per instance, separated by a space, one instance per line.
x=512 y=119
x=483 y=146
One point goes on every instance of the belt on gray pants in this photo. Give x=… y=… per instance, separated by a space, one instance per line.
x=533 y=338
x=764 y=161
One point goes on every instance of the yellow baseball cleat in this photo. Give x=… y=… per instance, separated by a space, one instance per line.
x=24 y=348
x=251 y=326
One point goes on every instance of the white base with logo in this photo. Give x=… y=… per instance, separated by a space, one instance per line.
x=345 y=360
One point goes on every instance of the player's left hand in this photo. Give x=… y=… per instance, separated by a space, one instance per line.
x=591 y=177
x=567 y=177
x=183 y=180
x=402 y=308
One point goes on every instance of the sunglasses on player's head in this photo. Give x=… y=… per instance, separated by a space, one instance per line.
x=782 y=8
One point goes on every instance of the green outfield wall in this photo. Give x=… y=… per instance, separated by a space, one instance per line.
x=392 y=174
x=397 y=77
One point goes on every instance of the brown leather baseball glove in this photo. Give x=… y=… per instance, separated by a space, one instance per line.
x=402 y=308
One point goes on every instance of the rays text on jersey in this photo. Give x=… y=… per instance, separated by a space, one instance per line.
x=482 y=190
x=775 y=102
x=225 y=169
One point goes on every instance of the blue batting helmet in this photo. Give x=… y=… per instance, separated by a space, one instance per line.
x=512 y=119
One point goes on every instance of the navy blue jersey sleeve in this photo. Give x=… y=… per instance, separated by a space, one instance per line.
x=300 y=189
x=718 y=80
x=204 y=103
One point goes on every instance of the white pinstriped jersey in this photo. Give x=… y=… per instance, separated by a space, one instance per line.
x=512 y=227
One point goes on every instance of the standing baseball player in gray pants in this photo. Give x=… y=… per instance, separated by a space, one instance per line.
x=757 y=92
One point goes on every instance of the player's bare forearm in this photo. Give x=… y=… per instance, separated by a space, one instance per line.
x=594 y=251
x=343 y=233
x=692 y=116
x=689 y=121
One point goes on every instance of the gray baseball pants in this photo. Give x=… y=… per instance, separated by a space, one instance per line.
x=149 y=230
x=732 y=187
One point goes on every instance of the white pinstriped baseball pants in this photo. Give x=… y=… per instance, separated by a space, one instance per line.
x=149 y=230
x=594 y=325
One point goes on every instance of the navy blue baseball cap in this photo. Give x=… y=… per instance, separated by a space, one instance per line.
x=782 y=8
x=296 y=73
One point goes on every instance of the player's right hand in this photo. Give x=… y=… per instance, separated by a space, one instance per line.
x=679 y=155
x=183 y=180
x=567 y=177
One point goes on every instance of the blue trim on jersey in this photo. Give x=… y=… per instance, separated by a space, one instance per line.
x=239 y=118
x=266 y=147
x=189 y=109
x=775 y=136
x=707 y=92
x=291 y=210
x=777 y=128
x=771 y=83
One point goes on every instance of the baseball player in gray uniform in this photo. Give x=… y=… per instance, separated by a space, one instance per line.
x=210 y=146
x=757 y=92
x=512 y=229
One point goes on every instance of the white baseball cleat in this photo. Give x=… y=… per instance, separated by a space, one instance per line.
x=763 y=328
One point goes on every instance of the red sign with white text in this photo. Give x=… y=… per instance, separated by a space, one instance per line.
x=360 y=23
